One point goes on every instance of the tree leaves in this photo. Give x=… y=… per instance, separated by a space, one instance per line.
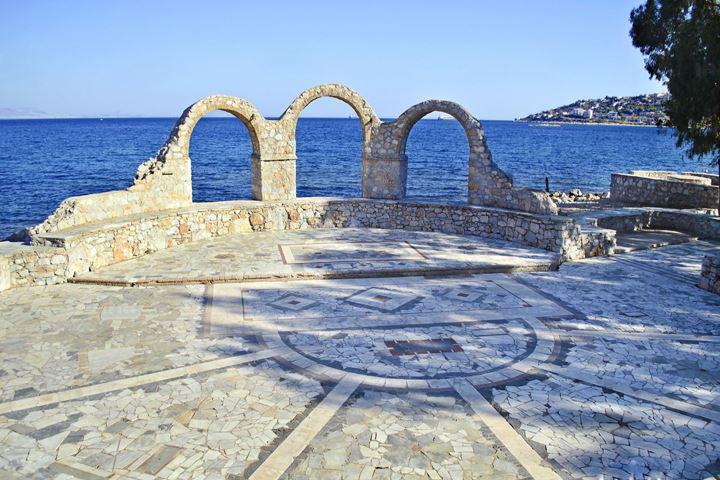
x=681 y=43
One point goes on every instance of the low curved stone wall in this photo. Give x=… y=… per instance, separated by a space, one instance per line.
x=698 y=224
x=95 y=245
x=658 y=189
x=54 y=257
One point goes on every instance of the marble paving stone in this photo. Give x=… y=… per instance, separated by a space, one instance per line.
x=482 y=348
x=351 y=299
x=411 y=436
x=681 y=370
x=201 y=425
x=619 y=296
x=606 y=368
x=383 y=299
x=586 y=431
x=54 y=338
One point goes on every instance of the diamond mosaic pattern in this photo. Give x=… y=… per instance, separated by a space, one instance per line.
x=293 y=303
x=382 y=299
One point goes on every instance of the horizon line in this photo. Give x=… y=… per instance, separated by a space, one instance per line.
x=110 y=117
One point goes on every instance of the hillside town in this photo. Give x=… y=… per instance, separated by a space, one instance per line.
x=637 y=110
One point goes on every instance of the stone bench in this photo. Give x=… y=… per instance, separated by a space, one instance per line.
x=629 y=219
x=665 y=189
x=690 y=179
x=98 y=244
x=56 y=256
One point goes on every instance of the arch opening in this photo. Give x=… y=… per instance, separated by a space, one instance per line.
x=220 y=147
x=437 y=148
x=329 y=140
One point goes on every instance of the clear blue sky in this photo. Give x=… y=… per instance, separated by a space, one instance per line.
x=501 y=59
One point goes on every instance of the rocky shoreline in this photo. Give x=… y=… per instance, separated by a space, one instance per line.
x=576 y=195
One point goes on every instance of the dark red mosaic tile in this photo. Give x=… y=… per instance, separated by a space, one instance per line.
x=415 y=347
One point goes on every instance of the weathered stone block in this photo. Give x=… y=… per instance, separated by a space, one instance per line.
x=273 y=179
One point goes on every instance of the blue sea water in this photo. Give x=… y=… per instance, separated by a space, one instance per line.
x=43 y=162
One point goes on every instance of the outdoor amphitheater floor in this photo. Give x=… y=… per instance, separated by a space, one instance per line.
x=323 y=253
x=609 y=367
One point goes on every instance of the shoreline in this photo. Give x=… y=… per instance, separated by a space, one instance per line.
x=608 y=124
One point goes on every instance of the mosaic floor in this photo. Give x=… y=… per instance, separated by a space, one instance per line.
x=607 y=368
x=324 y=253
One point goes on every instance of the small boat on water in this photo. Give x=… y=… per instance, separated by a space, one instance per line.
x=445 y=116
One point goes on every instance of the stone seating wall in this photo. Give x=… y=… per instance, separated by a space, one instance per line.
x=710 y=274
x=698 y=224
x=658 y=189
x=56 y=256
x=25 y=265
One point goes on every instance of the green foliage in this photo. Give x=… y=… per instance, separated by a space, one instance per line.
x=681 y=43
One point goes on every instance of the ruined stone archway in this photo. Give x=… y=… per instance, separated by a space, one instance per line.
x=173 y=159
x=385 y=168
x=165 y=182
x=365 y=116
x=481 y=170
x=471 y=126
x=221 y=154
x=387 y=162
x=241 y=109
x=238 y=108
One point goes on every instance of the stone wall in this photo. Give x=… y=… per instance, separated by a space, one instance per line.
x=698 y=224
x=96 y=245
x=665 y=189
x=710 y=274
x=23 y=265
x=165 y=181
x=56 y=256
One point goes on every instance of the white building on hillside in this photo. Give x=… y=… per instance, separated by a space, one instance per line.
x=582 y=113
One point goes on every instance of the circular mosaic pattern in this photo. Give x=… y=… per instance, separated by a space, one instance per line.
x=432 y=352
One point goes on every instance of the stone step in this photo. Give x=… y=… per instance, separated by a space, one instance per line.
x=647 y=239
x=329 y=275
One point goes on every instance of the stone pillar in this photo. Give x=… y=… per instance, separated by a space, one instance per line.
x=385 y=178
x=484 y=181
x=273 y=179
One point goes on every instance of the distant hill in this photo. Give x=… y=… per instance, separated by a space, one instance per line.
x=638 y=110
x=23 y=113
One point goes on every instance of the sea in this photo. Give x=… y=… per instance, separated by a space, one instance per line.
x=43 y=162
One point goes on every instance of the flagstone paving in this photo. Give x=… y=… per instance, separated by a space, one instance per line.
x=607 y=368
x=412 y=435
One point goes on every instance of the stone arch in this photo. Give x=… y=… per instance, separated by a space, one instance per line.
x=166 y=178
x=369 y=121
x=483 y=174
x=243 y=110
x=473 y=128
x=408 y=120
x=169 y=173
x=362 y=108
